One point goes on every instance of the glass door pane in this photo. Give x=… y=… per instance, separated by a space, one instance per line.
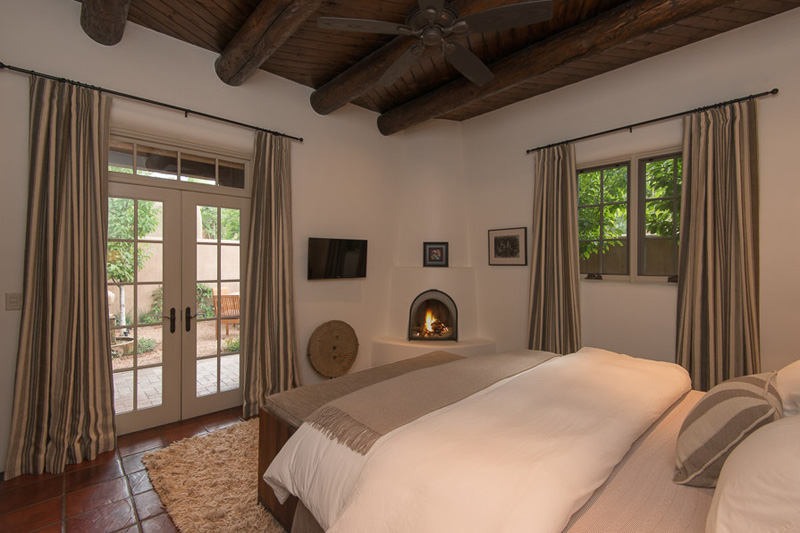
x=138 y=272
x=213 y=243
x=218 y=250
x=135 y=277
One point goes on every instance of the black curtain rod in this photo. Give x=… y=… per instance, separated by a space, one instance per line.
x=185 y=111
x=654 y=120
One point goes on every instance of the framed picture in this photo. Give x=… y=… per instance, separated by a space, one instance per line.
x=508 y=246
x=434 y=254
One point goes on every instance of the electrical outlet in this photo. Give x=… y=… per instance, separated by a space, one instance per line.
x=13 y=301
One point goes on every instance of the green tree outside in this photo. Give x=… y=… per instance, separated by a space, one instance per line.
x=603 y=209
x=602 y=201
x=123 y=261
x=228 y=218
x=663 y=179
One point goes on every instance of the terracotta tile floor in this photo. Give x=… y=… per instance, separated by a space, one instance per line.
x=111 y=493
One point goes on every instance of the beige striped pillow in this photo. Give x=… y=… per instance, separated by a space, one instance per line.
x=721 y=420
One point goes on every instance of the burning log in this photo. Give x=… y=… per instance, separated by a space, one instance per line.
x=432 y=328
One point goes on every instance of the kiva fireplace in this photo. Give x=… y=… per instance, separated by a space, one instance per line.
x=433 y=317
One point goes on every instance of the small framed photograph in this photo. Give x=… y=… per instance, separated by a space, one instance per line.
x=508 y=246
x=434 y=254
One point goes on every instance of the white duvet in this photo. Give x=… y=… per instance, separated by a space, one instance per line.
x=522 y=455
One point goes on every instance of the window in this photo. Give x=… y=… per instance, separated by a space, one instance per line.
x=603 y=219
x=152 y=161
x=629 y=217
x=660 y=211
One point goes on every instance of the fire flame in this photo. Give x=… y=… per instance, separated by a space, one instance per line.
x=431 y=327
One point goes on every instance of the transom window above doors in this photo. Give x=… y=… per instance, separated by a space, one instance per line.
x=187 y=168
x=629 y=218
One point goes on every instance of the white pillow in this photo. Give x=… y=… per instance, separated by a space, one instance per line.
x=788 y=385
x=759 y=486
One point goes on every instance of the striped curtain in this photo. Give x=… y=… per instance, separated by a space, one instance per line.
x=718 y=301
x=269 y=340
x=63 y=401
x=555 y=321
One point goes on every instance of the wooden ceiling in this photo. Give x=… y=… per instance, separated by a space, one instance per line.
x=583 y=39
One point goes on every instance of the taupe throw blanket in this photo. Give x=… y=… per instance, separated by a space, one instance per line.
x=296 y=405
x=359 y=419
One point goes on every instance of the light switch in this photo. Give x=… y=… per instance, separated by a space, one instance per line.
x=13 y=301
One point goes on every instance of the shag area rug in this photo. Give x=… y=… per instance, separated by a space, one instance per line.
x=209 y=483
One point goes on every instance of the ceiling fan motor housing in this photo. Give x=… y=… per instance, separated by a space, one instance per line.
x=417 y=19
x=431 y=36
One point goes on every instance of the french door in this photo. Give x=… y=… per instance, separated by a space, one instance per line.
x=214 y=231
x=175 y=261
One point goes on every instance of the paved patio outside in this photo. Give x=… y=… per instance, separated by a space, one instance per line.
x=150 y=379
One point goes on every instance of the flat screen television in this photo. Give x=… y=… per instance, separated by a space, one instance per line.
x=336 y=258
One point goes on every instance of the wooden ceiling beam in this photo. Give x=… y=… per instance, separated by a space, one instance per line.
x=265 y=30
x=361 y=77
x=104 y=20
x=591 y=37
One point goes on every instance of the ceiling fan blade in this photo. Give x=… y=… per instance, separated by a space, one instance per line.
x=431 y=8
x=402 y=64
x=512 y=16
x=467 y=64
x=363 y=25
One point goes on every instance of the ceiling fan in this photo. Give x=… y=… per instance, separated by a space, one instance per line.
x=435 y=22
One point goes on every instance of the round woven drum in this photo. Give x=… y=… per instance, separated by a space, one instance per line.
x=333 y=348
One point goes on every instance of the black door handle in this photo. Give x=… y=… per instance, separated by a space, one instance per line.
x=171 y=319
x=189 y=317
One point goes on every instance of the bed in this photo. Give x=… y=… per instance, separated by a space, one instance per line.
x=628 y=488
x=283 y=413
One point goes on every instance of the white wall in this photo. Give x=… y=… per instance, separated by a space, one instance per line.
x=640 y=319
x=13 y=213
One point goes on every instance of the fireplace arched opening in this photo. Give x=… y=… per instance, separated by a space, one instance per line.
x=433 y=316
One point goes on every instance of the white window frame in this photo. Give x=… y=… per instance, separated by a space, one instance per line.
x=190 y=148
x=633 y=215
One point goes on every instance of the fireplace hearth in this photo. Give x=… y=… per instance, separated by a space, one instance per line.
x=433 y=317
